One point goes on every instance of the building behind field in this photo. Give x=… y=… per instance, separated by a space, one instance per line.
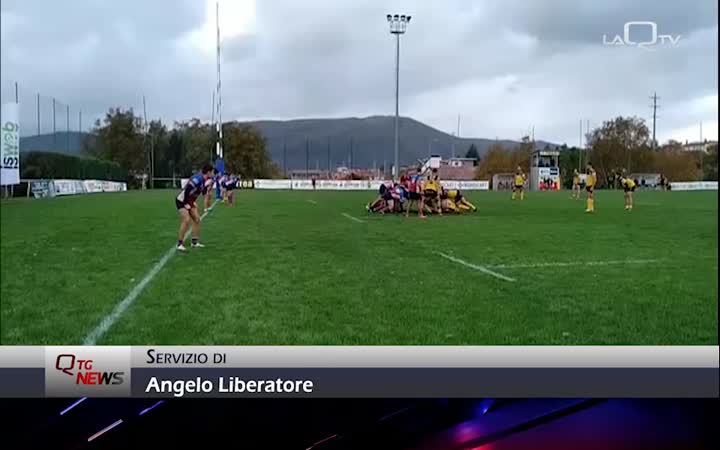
x=308 y=174
x=340 y=173
x=504 y=182
x=457 y=168
x=646 y=180
x=699 y=146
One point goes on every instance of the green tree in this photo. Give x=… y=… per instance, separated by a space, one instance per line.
x=157 y=141
x=676 y=164
x=119 y=138
x=499 y=159
x=198 y=141
x=175 y=151
x=472 y=152
x=245 y=152
x=710 y=164
x=569 y=162
x=522 y=154
x=621 y=143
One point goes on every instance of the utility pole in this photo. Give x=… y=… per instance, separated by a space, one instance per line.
x=585 y=139
x=350 y=160
x=152 y=145
x=38 y=113
x=654 y=118
x=285 y=157
x=580 y=147
x=307 y=157
x=54 y=136
x=457 y=134
x=532 y=137
x=67 y=128
x=701 y=136
x=328 y=157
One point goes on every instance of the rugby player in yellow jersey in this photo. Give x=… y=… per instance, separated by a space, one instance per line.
x=629 y=187
x=519 y=183
x=576 y=184
x=590 y=188
x=431 y=192
x=454 y=201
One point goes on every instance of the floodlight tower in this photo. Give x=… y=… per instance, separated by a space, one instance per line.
x=398 y=26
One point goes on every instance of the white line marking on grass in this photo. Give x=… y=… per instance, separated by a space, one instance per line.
x=353 y=218
x=312 y=201
x=589 y=263
x=109 y=320
x=575 y=263
x=476 y=267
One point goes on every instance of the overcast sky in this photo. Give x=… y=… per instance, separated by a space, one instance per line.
x=503 y=65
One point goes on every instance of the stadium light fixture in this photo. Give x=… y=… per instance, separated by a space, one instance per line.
x=398 y=25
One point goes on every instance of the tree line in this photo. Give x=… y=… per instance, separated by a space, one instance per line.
x=178 y=151
x=620 y=143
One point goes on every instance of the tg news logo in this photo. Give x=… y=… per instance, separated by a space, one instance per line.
x=83 y=371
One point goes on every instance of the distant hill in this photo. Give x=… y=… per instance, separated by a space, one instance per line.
x=61 y=142
x=372 y=141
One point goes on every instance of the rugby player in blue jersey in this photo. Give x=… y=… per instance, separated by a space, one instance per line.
x=228 y=185
x=187 y=209
x=209 y=186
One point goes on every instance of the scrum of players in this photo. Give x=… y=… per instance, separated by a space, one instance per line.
x=427 y=194
x=423 y=192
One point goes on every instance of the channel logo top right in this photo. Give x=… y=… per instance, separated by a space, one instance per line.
x=642 y=34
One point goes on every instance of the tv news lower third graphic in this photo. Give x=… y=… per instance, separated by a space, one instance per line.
x=359 y=371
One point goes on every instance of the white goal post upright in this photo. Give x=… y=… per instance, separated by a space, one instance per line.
x=218 y=116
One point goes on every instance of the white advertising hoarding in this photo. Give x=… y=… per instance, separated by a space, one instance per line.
x=92 y=186
x=10 y=144
x=69 y=187
x=357 y=185
x=273 y=184
x=467 y=185
x=694 y=186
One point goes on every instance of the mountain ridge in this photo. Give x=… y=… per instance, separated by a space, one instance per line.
x=363 y=142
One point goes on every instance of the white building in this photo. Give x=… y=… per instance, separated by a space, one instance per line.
x=703 y=146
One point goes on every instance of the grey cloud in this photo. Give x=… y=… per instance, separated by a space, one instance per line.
x=569 y=20
x=327 y=58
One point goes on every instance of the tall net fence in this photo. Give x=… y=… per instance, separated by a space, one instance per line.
x=48 y=123
x=54 y=138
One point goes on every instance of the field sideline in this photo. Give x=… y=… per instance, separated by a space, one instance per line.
x=308 y=267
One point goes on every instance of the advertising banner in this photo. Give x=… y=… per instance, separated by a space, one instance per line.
x=68 y=187
x=694 y=186
x=92 y=186
x=273 y=184
x=10 y=144
x=302 y=184
x=467 y=185
x=357 y=185
x=42 y=188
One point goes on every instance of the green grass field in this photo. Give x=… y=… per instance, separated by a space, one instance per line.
x=290 y=268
